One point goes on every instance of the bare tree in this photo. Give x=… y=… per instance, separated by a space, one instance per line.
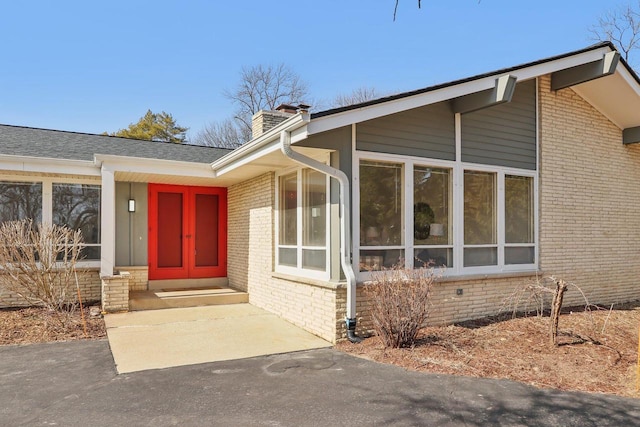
x=224 y=134
x=264 y=87
x=38 y=263
x=620 y=26
x=361 y=94
x=261 y=87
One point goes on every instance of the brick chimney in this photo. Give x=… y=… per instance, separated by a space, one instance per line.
x=263 y=120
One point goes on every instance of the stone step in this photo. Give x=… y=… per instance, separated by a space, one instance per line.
x=222 y=282
x=157 y=299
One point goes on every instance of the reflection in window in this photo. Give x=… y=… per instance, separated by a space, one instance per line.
x=431 y=217
x=519 y=220
x=78 y=207
x=303 y=245
x=480 y=221
x=380 y=204
x=20 y=200
x=314 y=219
x=288 y=226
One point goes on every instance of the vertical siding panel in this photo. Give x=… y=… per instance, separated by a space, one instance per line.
x=503 y=135
x=422 y=132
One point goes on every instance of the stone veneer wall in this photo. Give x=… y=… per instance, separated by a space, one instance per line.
x=90 y=290
x=589 y=199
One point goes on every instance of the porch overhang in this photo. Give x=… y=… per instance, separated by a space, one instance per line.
x=264 y=154
x=137 y=169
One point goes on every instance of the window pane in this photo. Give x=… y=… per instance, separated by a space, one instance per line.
x=475 y=257
x=78 y=207
x=380 y=204
x=379 y=259
x=20 y=200
x=433 y=257
x=479 y=208
x=288 y=256
x=431 y=195
x=519 y=255
x=314 y=259
x=314 y=209
x=287 y=209
x=518 y=195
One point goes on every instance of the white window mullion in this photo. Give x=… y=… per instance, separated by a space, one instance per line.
x=458 y=199
x=299 y=217
x=408 y=215
x=500 y=220
x=47 y=201
x=328 y=227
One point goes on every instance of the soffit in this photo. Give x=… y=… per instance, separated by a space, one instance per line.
x=615 y=97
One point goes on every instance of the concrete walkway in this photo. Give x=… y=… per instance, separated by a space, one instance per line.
x=75 y=384
x=156 y=339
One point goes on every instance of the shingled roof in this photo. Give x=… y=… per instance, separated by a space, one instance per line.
x=47 y=143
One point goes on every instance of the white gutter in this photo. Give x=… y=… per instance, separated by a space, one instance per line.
x=345 y=225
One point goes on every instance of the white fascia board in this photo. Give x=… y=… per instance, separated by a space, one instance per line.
x=346 y=118
x=228 y=161
x=48 y=165
x=152 y=166
x=628 y=78
x=249 y=157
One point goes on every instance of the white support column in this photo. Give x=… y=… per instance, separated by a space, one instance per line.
x=108 y=223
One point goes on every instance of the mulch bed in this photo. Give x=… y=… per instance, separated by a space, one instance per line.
x=598 y=350
x=36 y=325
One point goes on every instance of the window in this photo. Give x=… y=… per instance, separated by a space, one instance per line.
x=78 y=207
x=468 y=218
x=314 y=220
x=519 y=222
x=381 y=215
x=432 y=235
x=302 y=221
x=20 y=200
x=288 y=254
x=72 y=204
x=480 y=220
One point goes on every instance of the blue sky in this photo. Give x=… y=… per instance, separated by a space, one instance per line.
x=92 y=66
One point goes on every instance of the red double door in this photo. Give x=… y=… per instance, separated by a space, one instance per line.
x=187 y=232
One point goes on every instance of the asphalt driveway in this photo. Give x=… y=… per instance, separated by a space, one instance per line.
x=76 y=384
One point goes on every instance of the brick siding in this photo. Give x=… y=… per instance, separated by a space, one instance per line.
x=88 y=280
x=589 y=199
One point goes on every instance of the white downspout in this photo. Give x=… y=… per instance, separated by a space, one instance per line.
x=345 y=225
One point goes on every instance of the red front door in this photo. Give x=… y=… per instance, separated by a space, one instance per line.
x=187 y=232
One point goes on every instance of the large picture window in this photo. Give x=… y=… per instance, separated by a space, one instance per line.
x=381 y=215
x=72 y=204
x=432 y=235
x=519 y=222
x=303 y=221
x=78 y=207
x=467 y=218
x=20 y=200
x=480 y=219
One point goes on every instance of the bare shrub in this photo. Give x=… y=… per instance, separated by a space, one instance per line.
x=537 y=295
x=38 y=264
x=400 y=302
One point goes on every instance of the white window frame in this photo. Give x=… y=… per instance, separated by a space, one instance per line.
x=457 y=212
x=299 y=270
x=47 y=200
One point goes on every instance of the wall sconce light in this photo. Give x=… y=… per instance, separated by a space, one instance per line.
x=132 y=205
